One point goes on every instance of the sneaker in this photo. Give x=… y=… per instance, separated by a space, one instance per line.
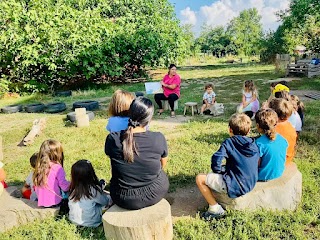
x=208 y=216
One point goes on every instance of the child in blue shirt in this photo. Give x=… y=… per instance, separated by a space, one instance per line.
x=87 y=198
x=118 y=111
x=241 y=170
x=272 y=146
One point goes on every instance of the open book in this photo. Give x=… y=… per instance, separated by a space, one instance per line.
x=153 y=87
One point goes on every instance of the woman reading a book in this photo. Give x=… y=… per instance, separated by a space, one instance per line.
x=171 y=89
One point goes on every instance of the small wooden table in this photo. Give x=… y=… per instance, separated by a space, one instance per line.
x=190 y=105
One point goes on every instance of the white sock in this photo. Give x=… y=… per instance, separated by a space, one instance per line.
x=216 y=209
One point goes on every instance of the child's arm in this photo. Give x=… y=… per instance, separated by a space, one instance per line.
x=62 y=181
x=216 y=159
x=244 y=103
x=102 y=198
x=164 y=162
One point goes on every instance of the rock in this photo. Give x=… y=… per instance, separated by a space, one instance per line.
x=278 y=194
x=152 y=222
x=19 y=211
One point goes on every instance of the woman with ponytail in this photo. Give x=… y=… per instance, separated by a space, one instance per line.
x=272 y=146
x=138 y=157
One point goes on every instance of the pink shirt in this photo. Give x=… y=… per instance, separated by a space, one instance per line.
x=174 y=80
x=56 y=180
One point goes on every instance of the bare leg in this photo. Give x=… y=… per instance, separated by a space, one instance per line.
x=203 y=108
x=204 y=189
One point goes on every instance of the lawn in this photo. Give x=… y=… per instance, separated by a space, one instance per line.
x=190 y=148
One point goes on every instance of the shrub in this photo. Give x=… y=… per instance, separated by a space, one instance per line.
x=54 y=42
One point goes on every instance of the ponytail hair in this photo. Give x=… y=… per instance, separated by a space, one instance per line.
x=140 y=114
x=266 y=120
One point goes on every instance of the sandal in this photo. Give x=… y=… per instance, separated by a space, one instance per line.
x=173 y=115
x=160 y=111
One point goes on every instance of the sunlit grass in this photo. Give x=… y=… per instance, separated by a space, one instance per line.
x=190 y=148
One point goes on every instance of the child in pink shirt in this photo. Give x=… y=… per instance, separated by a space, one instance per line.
x=171 y=89
x=49 y=177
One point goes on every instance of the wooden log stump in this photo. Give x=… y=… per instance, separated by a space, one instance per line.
x=152 y=222
x=37 y=127
x=283 y=193
x=82 y=119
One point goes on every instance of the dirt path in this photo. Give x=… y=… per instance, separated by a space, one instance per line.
x=186 y=201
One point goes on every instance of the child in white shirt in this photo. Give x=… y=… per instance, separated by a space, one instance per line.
x=209 y=98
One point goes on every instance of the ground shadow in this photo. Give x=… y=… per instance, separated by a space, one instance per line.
x=216 y=66
x=212 y=138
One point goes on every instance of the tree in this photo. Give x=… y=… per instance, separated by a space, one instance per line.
x=56 y=41
x=189 y=39
x=246 y=31
x=215 y=40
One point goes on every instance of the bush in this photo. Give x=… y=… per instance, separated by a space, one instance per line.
x=54 y=42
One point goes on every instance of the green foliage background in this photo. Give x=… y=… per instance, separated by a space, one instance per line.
x=50 y=42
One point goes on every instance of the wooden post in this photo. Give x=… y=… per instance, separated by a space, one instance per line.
x=37 y=128
x=152 y=222
x=82 y=118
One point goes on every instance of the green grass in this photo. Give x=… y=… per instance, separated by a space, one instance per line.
x=190 y=148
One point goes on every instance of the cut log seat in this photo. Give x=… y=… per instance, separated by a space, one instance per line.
x=152 y=222
x=278 y=194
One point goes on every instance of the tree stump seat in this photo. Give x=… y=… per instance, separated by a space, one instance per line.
x=278 y=194
x=19 y=211
x=165 y=105
x=152 y=222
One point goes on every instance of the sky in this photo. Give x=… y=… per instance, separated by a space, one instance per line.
x=220 y=12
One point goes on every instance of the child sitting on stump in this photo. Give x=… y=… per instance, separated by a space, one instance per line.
x=209 y=98
x=284 y=110
x=272 y=146
x=241 y=170
x=28 y=189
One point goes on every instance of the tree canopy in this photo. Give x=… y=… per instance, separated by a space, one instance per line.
x=241 y=36
x=52 y=41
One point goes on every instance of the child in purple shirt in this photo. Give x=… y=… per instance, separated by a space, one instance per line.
x=49 y=177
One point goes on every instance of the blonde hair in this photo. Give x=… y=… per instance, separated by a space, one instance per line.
x=50 y=151
x=299 y=103
x=240 y=124
x=120 y=103
x=282 y=107
x=249 y=85
x=266 y=120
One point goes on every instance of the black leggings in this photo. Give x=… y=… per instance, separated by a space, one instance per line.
x=171 y=98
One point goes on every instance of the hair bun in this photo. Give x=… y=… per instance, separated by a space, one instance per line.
x=133 y=123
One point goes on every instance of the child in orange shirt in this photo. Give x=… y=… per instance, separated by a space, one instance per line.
x=284 y=110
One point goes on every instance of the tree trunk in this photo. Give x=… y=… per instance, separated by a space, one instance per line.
x=152 y=222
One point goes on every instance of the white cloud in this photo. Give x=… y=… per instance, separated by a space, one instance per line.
x=222 y=11
x=188 y=16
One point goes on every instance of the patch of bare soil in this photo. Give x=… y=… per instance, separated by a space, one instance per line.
x=170 y=123
x=288 y=79
x=301 y=94
x=186 y=202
